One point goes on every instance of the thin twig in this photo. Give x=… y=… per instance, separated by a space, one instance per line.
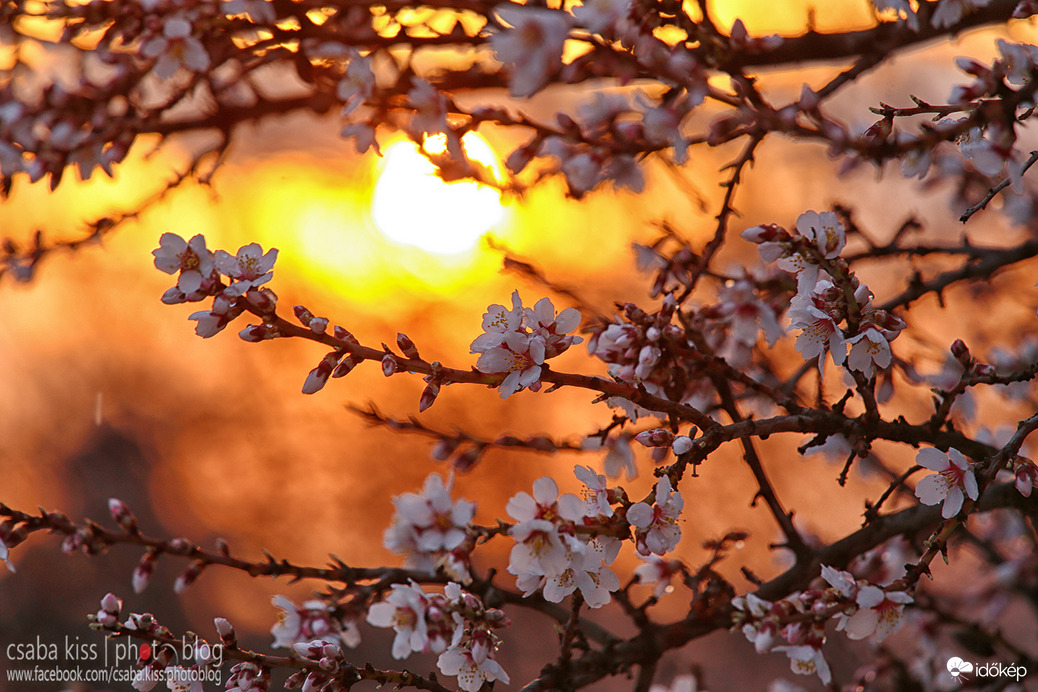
x=997 y=188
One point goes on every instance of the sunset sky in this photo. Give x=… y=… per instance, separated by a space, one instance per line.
x=228 y=446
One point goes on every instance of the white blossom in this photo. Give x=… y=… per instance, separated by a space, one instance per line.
x=657 y=525
x=952 y=481
x=532 y=47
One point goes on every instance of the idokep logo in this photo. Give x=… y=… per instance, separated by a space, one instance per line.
x=960 y=668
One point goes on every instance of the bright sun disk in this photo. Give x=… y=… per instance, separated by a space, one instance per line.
x=412 y=206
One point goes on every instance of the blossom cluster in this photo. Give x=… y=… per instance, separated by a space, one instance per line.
x=554 y=550
x=455 y=624
x=518 y=340
x=200 y=275
x=795 y=625
x=430 y=529
x=828 y=294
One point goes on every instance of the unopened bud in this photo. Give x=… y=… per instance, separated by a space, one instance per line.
x=428 y=396
x=257 y=332
x=319 y=325
x=467 y=459
x=188 y=576
x=226 y=632
x=389 y=365
x=111 y=603
x=318 y=377
x=682 y=444
x=295 y=680
x=496 y=618
x=406 y=346
x=180 y=546
x=634 y=313
x=443 y=449
x=303 y=315
x=263 y=299
x=343 y=335
x=142 y=573
x=961 y=351
x=764 y=234
x=122 y=515
x=656 y=437
x=344 y=367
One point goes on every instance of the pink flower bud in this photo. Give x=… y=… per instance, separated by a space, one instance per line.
x=764 y=234
x=428 y=397
x=467 y=459
x=226 y=632
x=657 y=437
x=142 y=573
x=122 y=515
x=682 y=444
x=180 y=546
x=960 y=351
x=295 y=680
x=111 y=603
x=1026 y=476
x=443 y=449
x=406 y=346
x=319 y=325
x=344 y=367
x=343 y=335
x=188 y=576
x=318 y=377
x=263 y=299
x=108 y=616
x=303 y=315
x=389 y=365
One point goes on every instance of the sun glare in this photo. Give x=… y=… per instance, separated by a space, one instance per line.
x=412 y=206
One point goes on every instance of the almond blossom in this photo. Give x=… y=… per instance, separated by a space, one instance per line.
x=807 y=659
x=619 y=456
x=250 y=268
x=600 y=15
x=471 y=669
x=539 y=547
x=657 y=525
x=421 y=620
x=753 y=612
x=658 y=572
x=598 y=495
x=176 y=47
x=190 y=257
x=5 y=556
x=826 y=234
x=429 y=521
x=951 y=483
x=311 y=621
x=586 y=571
x=532 y=47
x=879 y=613
x=868 y=348
x=357 y=83
x=517 y=341
x=430 y=526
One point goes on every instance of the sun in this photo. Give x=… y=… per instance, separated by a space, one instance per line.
x=412 y=206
